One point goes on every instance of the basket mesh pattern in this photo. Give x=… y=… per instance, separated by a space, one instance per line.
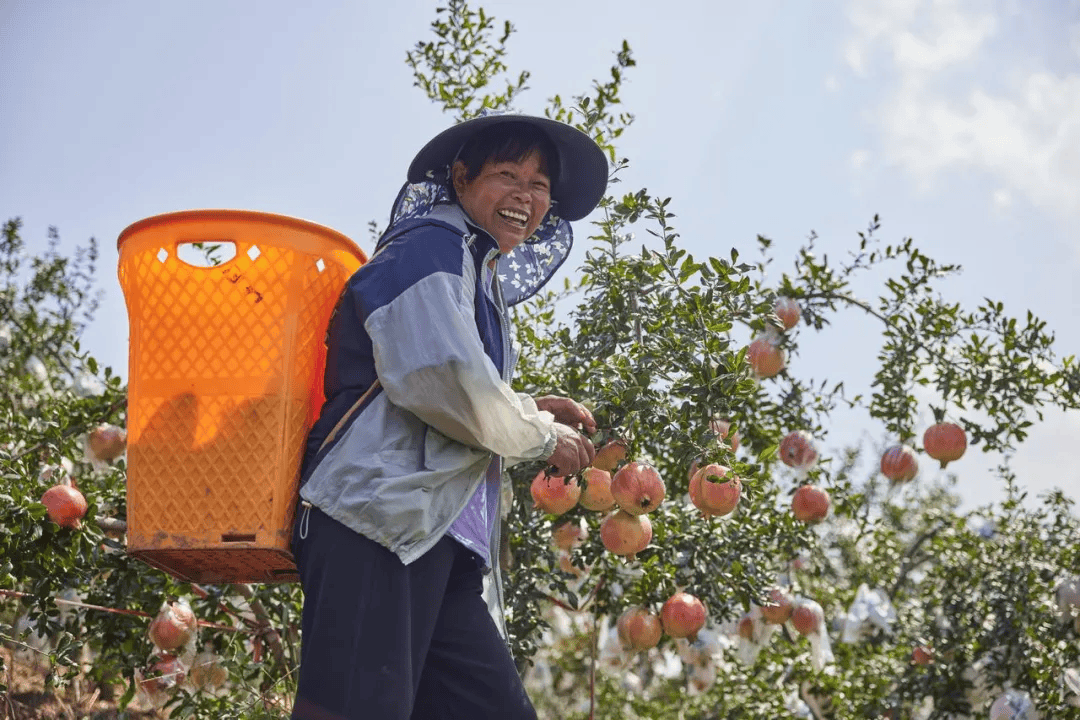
x=225 y=379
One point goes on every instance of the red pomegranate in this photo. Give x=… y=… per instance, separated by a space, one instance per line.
x=788 y=311
x=711 y=493
x=570 y=534
x=160 y=676
x=721 y=428
x=945 y=442
x=66 y=505
x=797 y=450
x=810 y=504
x=683 y=615
x=610 y=455
x=777 y=610
x=922 y=655
x=807 y=617
x=625 y=534
x=105 y=443
x=899 y=464
x=745 y=626
x=554 y=494
x=638 y=629
x=174 y=626
x=637 y=488
x=766 y=357
x=597 y=493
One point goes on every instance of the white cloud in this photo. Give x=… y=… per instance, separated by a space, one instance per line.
x=859 y=158
x=832 y=84
x=956 y=99
x=1002 y=199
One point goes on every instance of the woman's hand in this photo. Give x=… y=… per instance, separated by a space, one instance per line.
x=568 y=412
x=573 y=451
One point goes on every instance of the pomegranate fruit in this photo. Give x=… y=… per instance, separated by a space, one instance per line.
x=945 y=442
x=745 y=627
x=610 y=455
x=637 y=488
x=638 y=629
x=807 y=617
x=625 y=534
x=721 y=428
x=554 y=494
x=206 y=671
x=597 y=493
x=922 y=655
x=174 y=626
x=810 y=504
x=683 y=615
x=570 y=534
x=777 y=610
x=566 y=564
x=788 y=311
x=105 y=443
x=900 y=464
x=766 y=357
x=66 y=505
x=711 y=493
x=159 y=677
x=797 y=451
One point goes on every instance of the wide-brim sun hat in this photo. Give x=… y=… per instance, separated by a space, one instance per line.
x=583 y=166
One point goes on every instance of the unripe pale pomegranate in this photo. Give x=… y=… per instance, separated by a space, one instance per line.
x=922 y=655
x=597 y=493
x=554 y=494
x=105 y=443
x=721 y=428
x=807 y=618
x=637 y=488
x=174 y=626
x=765 y=356
x=900 y=464
x=638 y=629
x=797 y=450
x=945 y=442
x=207 y=672
x=66 y=505
x=810 y=504
x=570 y=534
x=788 y=311
x=711 y=493
x=777 y=610
x=610 y=455
x=683 y=615
x=625 y=534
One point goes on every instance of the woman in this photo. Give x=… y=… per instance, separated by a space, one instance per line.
x=398 y=528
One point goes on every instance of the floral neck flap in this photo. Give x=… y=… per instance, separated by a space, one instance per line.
x=523 y=271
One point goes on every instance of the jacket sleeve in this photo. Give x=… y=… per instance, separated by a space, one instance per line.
x=430 y=358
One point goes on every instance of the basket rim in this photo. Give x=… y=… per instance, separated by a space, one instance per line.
x=226 y=214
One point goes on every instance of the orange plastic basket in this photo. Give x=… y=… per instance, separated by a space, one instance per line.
x=224 y=381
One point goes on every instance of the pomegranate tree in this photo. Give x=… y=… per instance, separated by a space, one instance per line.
x=637 y=488
x=810 y=504
x=625 y=534
x=900 y=464
x=66 y=505
x=945 y=442
x=638 y=629
x=712 y=493
x=597 y=493
x=554 y=494
x=683 y=615
x=797 y=451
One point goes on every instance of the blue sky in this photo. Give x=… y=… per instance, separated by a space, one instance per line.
x=958 y=121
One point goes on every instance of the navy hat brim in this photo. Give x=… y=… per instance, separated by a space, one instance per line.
x=583 y=167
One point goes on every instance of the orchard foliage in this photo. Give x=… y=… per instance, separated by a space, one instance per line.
x=654 y=341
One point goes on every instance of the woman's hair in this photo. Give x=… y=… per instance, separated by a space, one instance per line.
x=509 y=142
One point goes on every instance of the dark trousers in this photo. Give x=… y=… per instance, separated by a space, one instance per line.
x=382 y=640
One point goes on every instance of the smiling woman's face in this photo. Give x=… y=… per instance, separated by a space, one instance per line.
x=508 y=199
